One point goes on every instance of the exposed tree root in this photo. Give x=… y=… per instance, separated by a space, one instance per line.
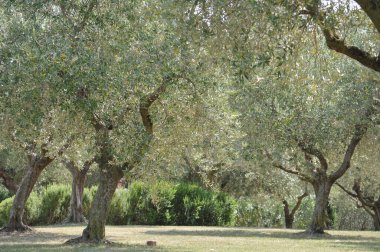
x=16 y=228
x=312 y=234
x=80 y=240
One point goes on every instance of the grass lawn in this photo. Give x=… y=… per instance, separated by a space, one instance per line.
x=174 y=238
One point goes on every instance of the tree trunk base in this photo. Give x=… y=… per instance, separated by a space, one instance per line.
x=312 y=234
x=81 y=240
x=69 y=220
x=16 y=228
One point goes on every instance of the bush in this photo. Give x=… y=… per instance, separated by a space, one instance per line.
x=5 y=207
x=160 y=203
x=150 y=204
x=250 y=213
x=118 y=209
x=88 y=196
x=31 y=213
x=193 y=205
x=55 y=204
x=4 y=193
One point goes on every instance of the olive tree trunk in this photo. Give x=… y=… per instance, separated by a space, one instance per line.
x=36 y=166
x=77 y=187
x=376 y=221
x=95 y=230
x=289 y=215
x=322 y=188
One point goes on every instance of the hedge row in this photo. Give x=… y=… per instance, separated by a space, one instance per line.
x=161 y=203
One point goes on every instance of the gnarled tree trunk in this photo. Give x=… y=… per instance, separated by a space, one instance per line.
x=322 y=188
x=77 y=188
x=76 y=201
x=36 y=166
x=109 y=175
x=95 y=230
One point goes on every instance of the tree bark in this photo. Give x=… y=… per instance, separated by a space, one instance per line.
x=8 y=181
x=95 y=230
x=376 y=219
x=289 y=215
x=322 y=188
x=36 y=166
x=77 y=188
x=109 y=175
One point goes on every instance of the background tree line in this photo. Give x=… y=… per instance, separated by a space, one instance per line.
x=245 y=97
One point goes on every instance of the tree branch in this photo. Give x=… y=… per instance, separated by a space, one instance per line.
x=147 y=101
x=360 y=130
x=310 y=150
x=372 y=9
x=302 y=176
x=299 y=201
x=337 y=44
x=346 y=191
x=86 y=16
x=8 y=181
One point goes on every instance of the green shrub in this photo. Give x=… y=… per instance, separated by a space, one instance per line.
x=31 y=213
x=88 y=196
x=4 y=193
x=251 y=213
x=303 y=216
x=193 y=205
x=33 y=209
x=5 y=207
x=161 y=195
x=55 y=203
x=140 y=209
x=118 y=209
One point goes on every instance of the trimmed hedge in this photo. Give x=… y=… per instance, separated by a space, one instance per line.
x=160 y=203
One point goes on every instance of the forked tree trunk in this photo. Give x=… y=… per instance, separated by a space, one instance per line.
x=76 y=201
x=77 y=187
x=322 y=188
x=289 y=215
x=95 y=230
x=109 y=175
x=36 y=166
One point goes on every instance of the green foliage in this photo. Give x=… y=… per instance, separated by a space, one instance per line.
x=54 y=204
x=4 y=193
x=164 y=203
x=251 y=213
x=194 y=205
x=118 y=209
x=88 y=196
x=5 y=207
x=32 y=209
x=304 y=213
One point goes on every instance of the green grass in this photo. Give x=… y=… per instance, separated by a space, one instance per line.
x=174 y=238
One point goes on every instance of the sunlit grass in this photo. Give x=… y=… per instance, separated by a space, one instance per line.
x=174 y=238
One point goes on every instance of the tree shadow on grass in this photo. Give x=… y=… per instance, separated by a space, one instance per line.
x=356 y=242
x=82 y=248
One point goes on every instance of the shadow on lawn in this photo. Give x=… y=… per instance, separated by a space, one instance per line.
x=85 y=248
x=39 y=241
x=350 y=242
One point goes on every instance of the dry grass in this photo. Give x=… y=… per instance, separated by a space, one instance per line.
x=133 y=238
